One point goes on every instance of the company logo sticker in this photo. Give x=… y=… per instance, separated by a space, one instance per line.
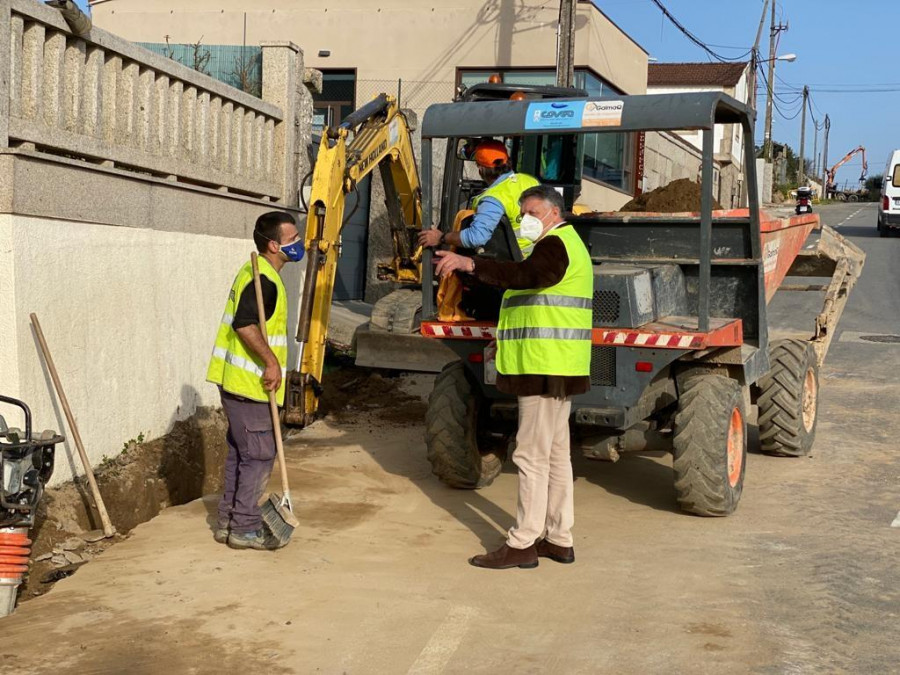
x=556 y=115
x=602 y=114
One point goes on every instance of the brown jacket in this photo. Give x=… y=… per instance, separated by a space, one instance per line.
x=545 y=267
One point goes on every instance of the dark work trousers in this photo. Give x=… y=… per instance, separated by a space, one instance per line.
x=251 y=454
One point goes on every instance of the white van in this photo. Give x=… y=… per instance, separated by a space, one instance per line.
x=889 y=206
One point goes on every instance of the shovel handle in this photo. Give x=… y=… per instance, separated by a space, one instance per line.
x=273 y=406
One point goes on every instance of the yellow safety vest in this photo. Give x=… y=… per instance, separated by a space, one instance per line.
x=547 y=331
x=233 y=366
x=507 y=192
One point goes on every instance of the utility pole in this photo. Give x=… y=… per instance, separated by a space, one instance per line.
x=754 y=61
x=815 y=171
x=565 y=44
x=825 y=158
x=774 y=30
x=801 y=174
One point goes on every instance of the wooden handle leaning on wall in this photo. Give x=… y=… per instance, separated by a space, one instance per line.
x=108 y=529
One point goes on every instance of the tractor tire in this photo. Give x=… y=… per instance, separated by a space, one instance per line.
x=788 y=399
x=710 y=445
x=459 y=454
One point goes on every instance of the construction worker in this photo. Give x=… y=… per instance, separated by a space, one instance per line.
x=499 y=199
x=246 y=367
x=543 y=357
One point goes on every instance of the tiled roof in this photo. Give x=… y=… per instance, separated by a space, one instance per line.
x=695 y=74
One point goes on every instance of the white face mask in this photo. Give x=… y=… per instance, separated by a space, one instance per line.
x=531 y=227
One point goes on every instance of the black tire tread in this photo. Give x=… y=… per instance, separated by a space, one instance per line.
x=780 y=401
x=451 y=436
x=701 y=433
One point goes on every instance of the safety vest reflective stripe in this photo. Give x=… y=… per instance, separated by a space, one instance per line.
x=228 y=319
x=240 y=362
x=546 y=301
x=544 y=334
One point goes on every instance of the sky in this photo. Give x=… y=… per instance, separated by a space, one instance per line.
x=840 y=45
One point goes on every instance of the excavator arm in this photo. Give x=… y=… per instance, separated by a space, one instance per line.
x=846 y=158
x=381 y=138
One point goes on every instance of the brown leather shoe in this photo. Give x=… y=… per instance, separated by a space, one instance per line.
x=506 y=557
x=560 y=554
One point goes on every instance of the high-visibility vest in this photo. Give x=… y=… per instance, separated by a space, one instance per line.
x=233 y=366
x=547 y=331
x=507 y=192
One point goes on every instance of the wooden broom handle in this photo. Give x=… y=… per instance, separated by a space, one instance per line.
x=273 y=405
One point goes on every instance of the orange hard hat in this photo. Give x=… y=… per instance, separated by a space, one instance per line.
x=490 y=153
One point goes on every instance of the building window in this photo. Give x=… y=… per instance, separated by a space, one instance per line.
x=607 y=157
x=336 y=101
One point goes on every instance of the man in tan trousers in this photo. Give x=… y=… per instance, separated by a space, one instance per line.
x=543 y=357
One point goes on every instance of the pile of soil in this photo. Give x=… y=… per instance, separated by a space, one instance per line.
x=349 y=391
x=679 y=196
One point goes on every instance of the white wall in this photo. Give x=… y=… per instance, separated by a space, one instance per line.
x=130 y=315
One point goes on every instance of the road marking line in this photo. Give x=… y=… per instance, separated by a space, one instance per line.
x=444 y=642
x=852 y=215
x=896 y=522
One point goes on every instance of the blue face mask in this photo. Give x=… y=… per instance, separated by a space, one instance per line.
x=294 y=251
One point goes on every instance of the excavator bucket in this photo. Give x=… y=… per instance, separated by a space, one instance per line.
x=392 y=339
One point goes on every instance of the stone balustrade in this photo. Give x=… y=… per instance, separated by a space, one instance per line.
x=104 y=100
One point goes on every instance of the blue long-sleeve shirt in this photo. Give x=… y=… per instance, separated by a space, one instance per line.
x=487 y=216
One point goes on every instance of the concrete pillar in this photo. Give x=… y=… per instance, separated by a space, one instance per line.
x=282 y=82
x=6 y=69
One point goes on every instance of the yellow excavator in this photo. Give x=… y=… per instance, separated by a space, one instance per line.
x=376 y=135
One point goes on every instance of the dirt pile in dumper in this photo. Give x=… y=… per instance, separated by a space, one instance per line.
x=679 y=196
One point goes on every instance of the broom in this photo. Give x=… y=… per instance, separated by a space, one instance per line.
x=277 y=510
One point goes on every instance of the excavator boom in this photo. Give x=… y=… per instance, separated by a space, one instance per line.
x=380 y=138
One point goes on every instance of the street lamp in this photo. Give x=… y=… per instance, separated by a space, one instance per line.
x=790 y=58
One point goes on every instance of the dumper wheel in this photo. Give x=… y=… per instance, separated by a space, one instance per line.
x=710 y=445
x=455 y=439
x=788 y=399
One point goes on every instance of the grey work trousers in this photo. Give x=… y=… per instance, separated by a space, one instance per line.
x=251 y=454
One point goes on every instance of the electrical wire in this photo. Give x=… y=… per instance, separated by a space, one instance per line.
x=697 y=41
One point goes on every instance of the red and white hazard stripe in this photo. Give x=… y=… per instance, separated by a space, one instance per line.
x=458 y=331
x=661 y=340
x=624 y=338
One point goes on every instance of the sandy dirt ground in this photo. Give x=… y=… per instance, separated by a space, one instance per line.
x=802 y=579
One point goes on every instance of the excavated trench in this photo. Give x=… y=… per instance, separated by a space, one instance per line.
x=181 y=466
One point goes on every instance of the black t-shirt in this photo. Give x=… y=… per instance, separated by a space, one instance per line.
x=246 y=313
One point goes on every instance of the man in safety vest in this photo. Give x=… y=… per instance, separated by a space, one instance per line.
x=501 y=198
x=544 y=358
x=246 y=368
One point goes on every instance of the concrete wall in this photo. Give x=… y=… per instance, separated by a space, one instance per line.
x=127 y=201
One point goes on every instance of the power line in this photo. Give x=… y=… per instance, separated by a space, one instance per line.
x=693 y=38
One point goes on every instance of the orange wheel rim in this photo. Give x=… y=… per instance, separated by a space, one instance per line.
x=735 y=447
x=810 y=400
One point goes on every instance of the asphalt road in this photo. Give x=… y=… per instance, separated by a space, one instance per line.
x=801 y=579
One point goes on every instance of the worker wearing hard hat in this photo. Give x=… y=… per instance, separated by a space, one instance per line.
x=499 y=199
